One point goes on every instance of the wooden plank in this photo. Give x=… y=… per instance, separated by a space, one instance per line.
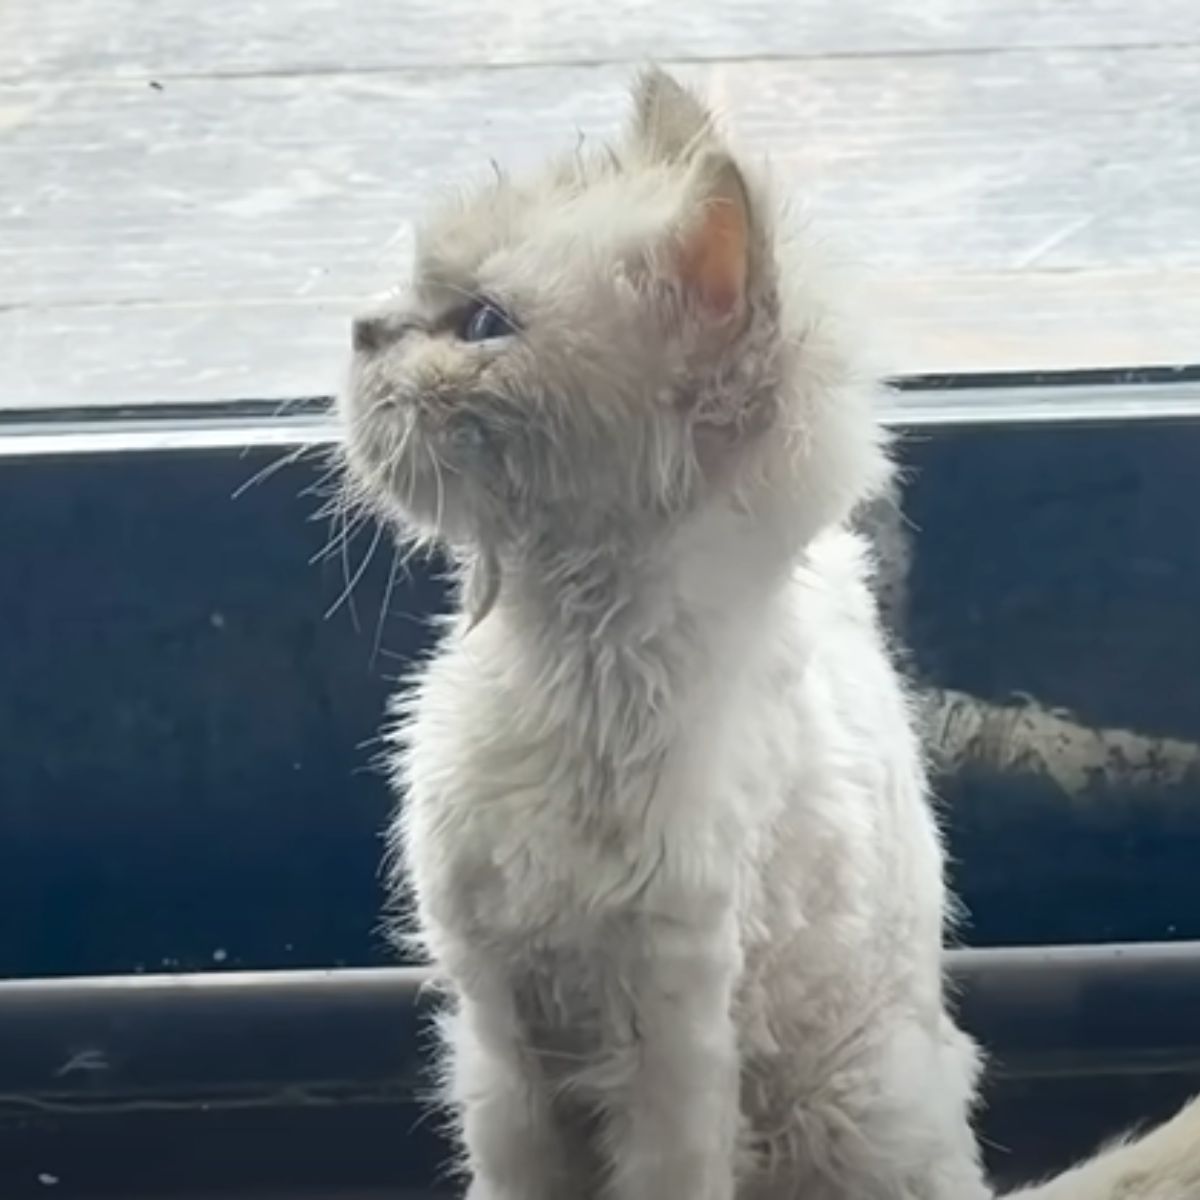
x=206 y=240
x=294 y=187
x=249 y=36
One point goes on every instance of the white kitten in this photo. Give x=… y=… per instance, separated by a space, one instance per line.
x=667 y=827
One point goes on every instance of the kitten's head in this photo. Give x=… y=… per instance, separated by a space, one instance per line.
x=615 y=344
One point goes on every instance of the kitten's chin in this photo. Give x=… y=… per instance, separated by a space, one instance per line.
x=407 y=482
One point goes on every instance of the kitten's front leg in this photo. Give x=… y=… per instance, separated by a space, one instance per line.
x=673 y=1121
x=513 y=1151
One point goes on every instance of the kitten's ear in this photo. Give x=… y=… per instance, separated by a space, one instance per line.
x=712 y=261
x=669 y=123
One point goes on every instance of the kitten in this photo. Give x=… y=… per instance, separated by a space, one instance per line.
x=667 y=829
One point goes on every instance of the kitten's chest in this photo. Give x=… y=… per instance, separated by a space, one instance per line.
x=545 y=844
x=544 y=816
x=561 y=861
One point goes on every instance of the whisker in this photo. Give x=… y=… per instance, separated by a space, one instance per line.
x=291 y=403
x=352 y=582
x=330 y=476
x=385 y=606
x=339 y=536
x=440 y=485
x=347 y=594
x=272 y=468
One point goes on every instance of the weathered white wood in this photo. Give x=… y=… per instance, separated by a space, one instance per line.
x=206 y=240
x=172 y=37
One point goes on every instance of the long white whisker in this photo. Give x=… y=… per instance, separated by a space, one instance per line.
x=319 y=486
x=339 y=534
x=352 y=581
x=276 y=465
x=385 y=605
x=347 y=593
x=440 y=485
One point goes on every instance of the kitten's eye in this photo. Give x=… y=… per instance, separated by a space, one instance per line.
x=485 y=321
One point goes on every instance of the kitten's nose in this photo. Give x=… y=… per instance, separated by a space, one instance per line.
x=369 y=333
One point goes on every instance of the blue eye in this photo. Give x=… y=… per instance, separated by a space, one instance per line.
x=484 y=322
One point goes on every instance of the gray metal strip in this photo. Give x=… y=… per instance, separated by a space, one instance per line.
x=31 y=436
x=89 y=1043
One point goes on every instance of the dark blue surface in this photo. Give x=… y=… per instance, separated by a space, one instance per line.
x=186 y=742
x=1065 y=564
x=185 y=767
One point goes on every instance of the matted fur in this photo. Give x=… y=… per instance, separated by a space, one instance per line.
x=667 y=832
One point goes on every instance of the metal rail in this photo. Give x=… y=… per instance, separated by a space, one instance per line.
x=224 y=1038
x=1148 y=394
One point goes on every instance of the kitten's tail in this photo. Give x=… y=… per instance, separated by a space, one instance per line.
x=1163 y=1165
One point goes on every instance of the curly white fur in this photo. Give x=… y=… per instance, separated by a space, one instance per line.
x=667 y=830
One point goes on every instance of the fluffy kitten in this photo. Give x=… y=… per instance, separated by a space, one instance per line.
x=667 y=828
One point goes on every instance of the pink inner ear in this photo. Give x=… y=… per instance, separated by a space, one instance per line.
x=713 y=258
